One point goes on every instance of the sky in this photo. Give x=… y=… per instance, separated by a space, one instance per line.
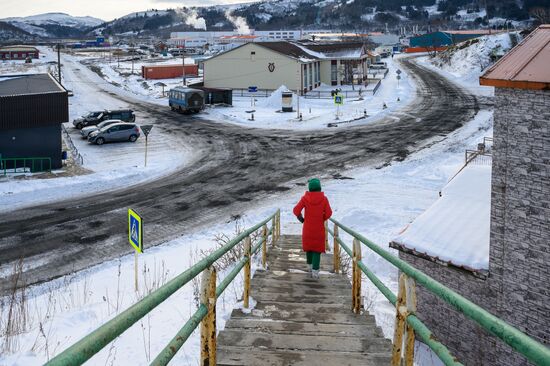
x=103 y=9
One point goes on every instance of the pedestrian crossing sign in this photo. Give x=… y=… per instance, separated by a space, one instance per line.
x=338 y=99
x=135 y=230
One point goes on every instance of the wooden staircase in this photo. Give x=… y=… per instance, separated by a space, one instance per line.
x=300 y=321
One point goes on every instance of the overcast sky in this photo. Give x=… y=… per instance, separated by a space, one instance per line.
x=104 y=9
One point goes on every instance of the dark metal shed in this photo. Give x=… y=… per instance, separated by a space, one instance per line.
x=217 y=95
x=32 y=108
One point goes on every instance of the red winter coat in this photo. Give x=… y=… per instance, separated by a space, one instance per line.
x=317 y=211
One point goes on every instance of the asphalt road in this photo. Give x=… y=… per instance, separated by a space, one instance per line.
x=236 y=167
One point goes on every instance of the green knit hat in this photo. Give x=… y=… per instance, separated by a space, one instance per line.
x=314 y=185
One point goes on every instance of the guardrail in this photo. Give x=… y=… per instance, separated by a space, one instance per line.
x=205 y=315
x=405 y=302
x=11 y=165
x=74 y=151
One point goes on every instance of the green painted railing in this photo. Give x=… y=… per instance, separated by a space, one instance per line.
x=94 y=342
x=11 y=165
x=534 y=351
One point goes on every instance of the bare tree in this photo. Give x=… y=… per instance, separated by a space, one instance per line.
x=542 y=15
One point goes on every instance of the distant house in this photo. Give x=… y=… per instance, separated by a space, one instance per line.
x=299 y=66
x=18 y=52
x=447 y=38
x=487 y=237
x=32 y=108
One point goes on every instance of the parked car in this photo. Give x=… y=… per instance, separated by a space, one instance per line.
x=88 y=130
x=93 y=118
x=115 y=132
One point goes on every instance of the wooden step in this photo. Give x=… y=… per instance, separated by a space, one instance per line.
x=232 y=356
x=300 y=321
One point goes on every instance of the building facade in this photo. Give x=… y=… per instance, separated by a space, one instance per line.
x=515 y=289
x=32 y=108
x=298 y=66
x=18 y=53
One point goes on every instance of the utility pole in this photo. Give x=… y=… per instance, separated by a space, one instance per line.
x=298 y=76
x=183 y=67
x=59 y=63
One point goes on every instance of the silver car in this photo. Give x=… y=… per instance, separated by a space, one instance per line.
x=115 y=132
x=88 y=130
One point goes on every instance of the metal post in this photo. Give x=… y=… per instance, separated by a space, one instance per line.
x=400 y=315
x=410 y=294
x=136 y=270
x=353 y=276
x=264 y=247
x=247 y=254
x=357 y=273
x=59 y=63
x=146 y=150
x=336 y=251
x=298 y=90
x=327 y=248
x=208 y=325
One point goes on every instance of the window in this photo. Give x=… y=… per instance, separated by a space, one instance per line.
x=318 y=72
x=310 y=74
x=333 y=72
x=113 y=129
x=305 y=76
x=125 y=127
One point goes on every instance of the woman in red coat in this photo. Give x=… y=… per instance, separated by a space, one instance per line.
x=317 y=211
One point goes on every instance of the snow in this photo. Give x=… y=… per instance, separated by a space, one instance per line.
x=318 y=113
x=377 y=202
x=455 y=229
x=110 y=166
x=465 y=65
x=384 y=200
x=32 y=24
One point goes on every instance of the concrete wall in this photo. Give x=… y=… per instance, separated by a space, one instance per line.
x=517 y=289
x=35 y=142
x=238 y=69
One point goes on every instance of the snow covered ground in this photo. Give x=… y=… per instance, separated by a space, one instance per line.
x=465 y=65
x=126 y=74
x=111 y=166
x=318 y=113
x=376 y=202
x=384 y=201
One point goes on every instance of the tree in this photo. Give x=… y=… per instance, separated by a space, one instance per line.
x=541 y=15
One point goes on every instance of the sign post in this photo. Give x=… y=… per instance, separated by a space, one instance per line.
x=252 y=89
x=135 y=237
x=338 y=100
x=146 y=130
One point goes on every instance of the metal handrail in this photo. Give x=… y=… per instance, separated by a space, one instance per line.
x=94 y=342
x=33 y=168
x=74 y=151
x=534 y=351
x=183 y=334
x=427 y=336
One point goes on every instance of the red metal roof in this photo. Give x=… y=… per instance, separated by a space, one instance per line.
x=526 y=66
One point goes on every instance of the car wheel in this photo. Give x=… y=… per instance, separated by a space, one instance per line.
x=79 y=126
x=100 y=141
x=133 y=138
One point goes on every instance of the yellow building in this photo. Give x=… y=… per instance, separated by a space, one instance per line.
x=298 y=66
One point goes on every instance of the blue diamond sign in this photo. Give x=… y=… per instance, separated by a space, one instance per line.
x=135 y=230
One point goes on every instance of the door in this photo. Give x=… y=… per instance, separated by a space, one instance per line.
x=113 y=134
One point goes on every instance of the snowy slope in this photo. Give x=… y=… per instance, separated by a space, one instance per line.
x=62 y=19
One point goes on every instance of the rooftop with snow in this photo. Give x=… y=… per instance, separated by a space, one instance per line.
x=455 y=229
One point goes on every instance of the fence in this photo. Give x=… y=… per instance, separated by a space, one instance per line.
x=74 y=151
x=326 y=94
x=11 y=165
x=261 y=93
x=205 y=315
x=407 y=324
